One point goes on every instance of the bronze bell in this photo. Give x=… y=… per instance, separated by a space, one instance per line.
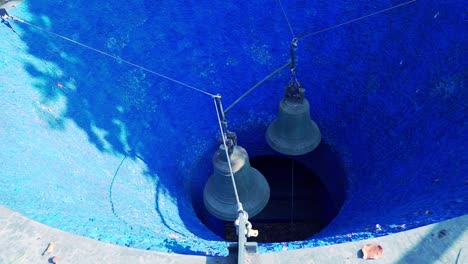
x=252 y=187
x=293 y=132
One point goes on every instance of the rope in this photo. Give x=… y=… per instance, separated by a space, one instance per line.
x=255 y=86
x=356 y=19
x=114 y=57
x=287 y=20
x=217 y=99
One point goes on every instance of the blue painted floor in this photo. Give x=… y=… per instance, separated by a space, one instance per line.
x=102 y=149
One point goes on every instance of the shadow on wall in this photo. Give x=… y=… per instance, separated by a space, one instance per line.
x=387 y=93
x=437 y=246
x=127 y=111
x=440 y=243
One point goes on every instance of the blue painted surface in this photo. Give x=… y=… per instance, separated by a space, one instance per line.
x=387 y=92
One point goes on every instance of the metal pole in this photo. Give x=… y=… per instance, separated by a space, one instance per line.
x=242 y=239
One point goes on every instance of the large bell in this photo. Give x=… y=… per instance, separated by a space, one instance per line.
x=252 y=187
x=293 y=132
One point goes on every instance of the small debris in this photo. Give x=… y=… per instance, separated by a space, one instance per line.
x=400 y=227
x=49 y=249
x=442 y=233
x=54 y=260
x=45 y=108
x=372 y=251
x=436 y=180
x=403 y=226
x=378 y=227
x=427 y=213
x=174 y=236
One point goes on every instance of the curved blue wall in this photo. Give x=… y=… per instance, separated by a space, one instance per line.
x=105 y=150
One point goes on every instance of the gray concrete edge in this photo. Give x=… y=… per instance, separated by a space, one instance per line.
x=23 y=240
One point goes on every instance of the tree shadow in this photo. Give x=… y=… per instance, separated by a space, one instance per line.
x=437 y=245
x=126 y=111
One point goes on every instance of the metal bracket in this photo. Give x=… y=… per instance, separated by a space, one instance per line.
x=294 y=91
x=229 y=136
x=244 y=230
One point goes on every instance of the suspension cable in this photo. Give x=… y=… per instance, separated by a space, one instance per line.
x=113 y=57
x=287 y=20
x=356 y=19
x=195 y=88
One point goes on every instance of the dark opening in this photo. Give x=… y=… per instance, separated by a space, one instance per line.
x=319 y=192
x=299 y=204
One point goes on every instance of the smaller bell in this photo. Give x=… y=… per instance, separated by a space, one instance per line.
x=253 y=189
x=293 y=132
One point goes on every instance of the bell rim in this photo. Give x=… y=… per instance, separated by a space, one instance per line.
x=298 y=149
x=265 y=195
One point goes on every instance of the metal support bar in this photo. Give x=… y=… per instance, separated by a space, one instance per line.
x=241 y=238
x=244 y=231
x=256 y=86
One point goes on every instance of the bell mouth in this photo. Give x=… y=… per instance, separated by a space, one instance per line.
x=306 y=194
x=219 y=195
x=293 y=146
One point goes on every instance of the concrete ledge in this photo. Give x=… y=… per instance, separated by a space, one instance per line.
x=444 y=242
x=23 y=240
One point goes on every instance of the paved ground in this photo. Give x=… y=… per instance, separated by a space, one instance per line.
x=23 y=241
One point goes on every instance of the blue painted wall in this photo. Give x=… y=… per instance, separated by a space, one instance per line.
x=105 y=150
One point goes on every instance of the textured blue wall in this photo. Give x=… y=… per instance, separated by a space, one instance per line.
x=388 y=93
